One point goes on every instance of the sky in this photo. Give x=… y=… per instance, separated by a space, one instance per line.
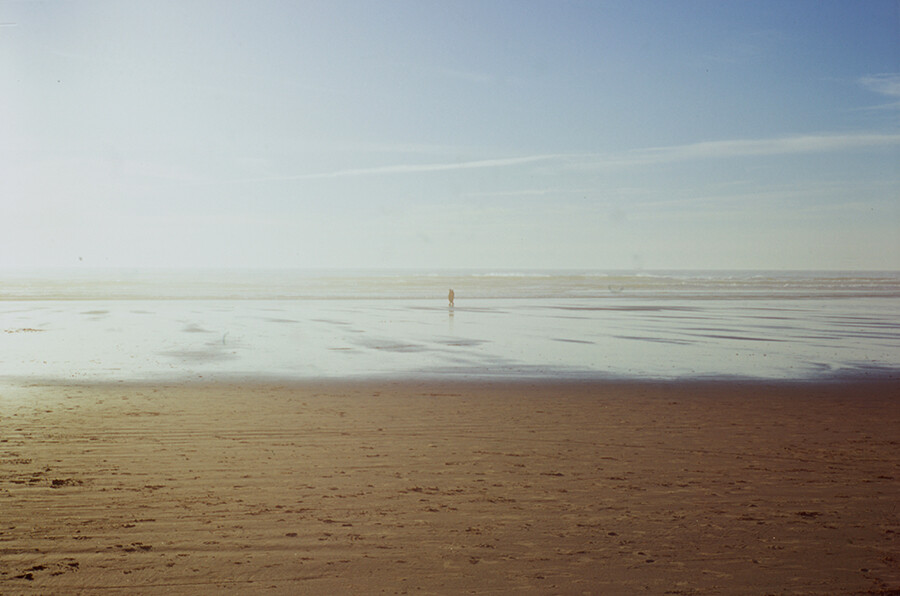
x=450 y=134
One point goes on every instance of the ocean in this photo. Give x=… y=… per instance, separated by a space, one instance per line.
x=155 y=325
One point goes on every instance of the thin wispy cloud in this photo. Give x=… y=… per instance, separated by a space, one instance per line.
x=887 y=84
x=783 y=145
x=411 y=168
x=706 y=150
x=884 y=83
x=748 y=148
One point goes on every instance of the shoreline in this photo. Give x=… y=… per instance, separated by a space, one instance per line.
x=450 y=486
x=880 y=381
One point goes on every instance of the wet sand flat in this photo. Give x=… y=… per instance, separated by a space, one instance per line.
x=449 y=487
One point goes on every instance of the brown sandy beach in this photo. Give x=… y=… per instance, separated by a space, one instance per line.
x=450 y=487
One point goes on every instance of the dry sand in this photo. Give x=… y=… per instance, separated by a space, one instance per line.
x=446 y=488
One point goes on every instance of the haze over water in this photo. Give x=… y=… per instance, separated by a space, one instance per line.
x=166 y=324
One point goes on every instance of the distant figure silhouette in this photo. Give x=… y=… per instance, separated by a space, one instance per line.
x=450 y=296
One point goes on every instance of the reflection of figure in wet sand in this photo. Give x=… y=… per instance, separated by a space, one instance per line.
x=450 y=296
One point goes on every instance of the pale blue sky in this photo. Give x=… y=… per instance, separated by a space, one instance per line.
x=627 y=134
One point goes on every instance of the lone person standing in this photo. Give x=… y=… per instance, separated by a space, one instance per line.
x=450 y=296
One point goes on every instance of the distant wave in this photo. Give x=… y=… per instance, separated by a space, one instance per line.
x=513 y=274
x=468 y=285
